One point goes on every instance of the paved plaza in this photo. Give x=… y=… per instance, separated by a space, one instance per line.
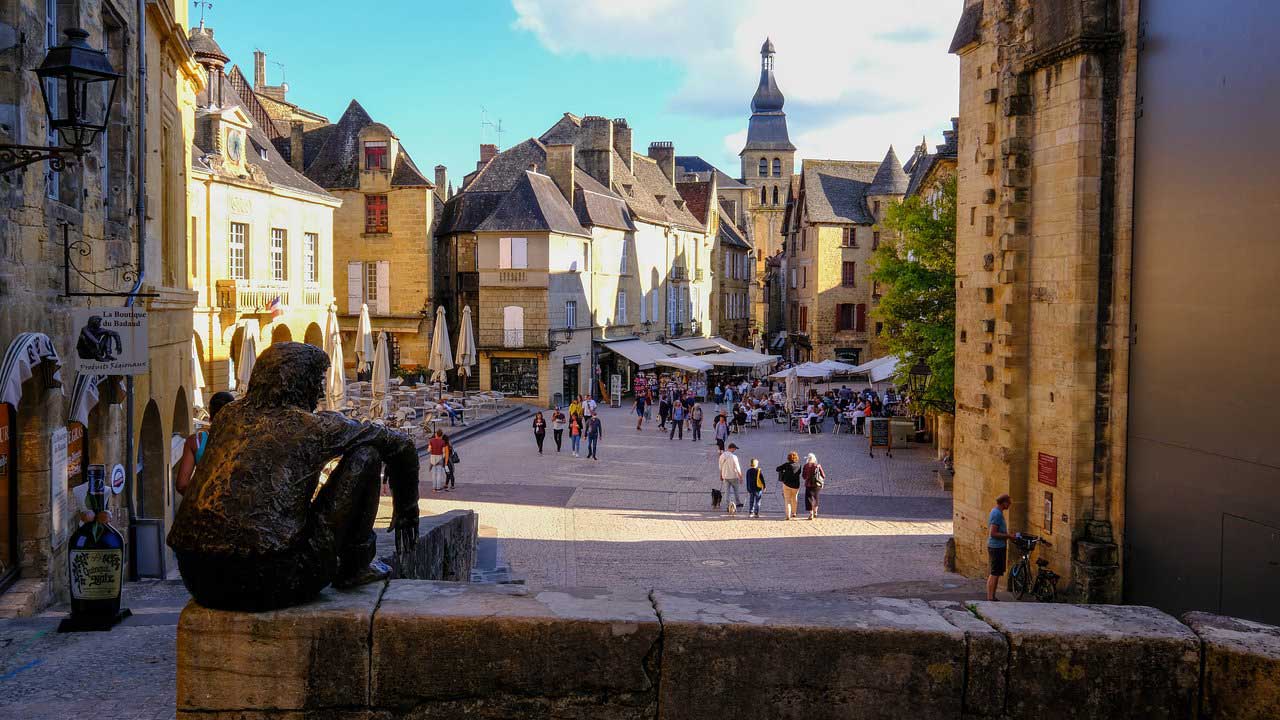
x=641 y=516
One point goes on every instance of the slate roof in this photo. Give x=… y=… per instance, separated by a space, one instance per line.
x=534 y=204
x=835 y=190
x=694 y=165
x=697 y=198
x=663 y=192
x=768 y=131
x=248 y=100
x=924 y=162
x=203 y=44
x=312 y=141
x=969 y=29
x=890 y=178
x=730 y=235
x=337 y=163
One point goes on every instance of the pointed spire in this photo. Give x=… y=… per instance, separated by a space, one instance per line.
x=890 y=178
x=768 y=97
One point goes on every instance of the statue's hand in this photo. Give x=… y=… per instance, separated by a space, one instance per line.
x=404 y=522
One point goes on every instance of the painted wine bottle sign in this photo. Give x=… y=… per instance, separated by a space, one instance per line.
x=96 y=558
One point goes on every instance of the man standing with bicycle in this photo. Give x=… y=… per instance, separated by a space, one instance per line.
x=997 y=543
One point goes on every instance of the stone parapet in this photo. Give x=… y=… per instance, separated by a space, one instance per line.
x=446 y=548
x=423 y=649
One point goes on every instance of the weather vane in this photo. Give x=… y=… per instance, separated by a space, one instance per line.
x=203 y=5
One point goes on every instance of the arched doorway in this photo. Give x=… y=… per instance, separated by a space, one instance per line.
x=314 y=336
x=152 y=472
x=280 y=333
x=233 y=355
x=181 y=414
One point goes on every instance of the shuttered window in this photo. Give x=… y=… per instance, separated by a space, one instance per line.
x=861 y=320
x=513 y=253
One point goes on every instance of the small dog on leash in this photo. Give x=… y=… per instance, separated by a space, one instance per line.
x=716 y=497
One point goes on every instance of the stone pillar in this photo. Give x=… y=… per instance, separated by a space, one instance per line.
x=560 y=168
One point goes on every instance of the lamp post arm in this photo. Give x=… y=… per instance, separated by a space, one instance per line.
x=13 y=157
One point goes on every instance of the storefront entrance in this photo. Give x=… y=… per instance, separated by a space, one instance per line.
x=515 y=376
x=569 y=388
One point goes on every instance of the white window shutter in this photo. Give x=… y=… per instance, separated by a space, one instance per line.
x=355 y=287
x=519 y=252
x=504 y=252
x=384 y=287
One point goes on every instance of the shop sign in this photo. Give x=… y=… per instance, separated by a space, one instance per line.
x=75 y=453
x=116 y=484
x=1047 y=469
x=111 y=341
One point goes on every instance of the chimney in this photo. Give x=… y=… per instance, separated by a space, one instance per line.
x=664 y=153
x=597 y=148
x=442 y=182
x=731 y=207
x=295 y=145
x=560 y=168
x=622 y=141
x=487 y=153
x=259 y=70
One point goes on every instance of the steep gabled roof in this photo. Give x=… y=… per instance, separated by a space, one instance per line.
x=730 y=235
x=248 y=100
x=697 y=198
x=598 y=205
x=655 y=183
x=835 y=191
x=969 y=29
x=337 y=163
x=694 y=165
x=890 y=178
x=534 y=204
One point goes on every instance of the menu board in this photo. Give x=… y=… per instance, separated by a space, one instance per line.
x=879 y=436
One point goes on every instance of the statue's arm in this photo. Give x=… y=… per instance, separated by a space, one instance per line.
x=397 y=450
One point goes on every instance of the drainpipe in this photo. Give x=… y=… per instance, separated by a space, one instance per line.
x=140 y=145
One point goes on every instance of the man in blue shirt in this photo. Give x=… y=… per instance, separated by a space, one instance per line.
x=997 y=540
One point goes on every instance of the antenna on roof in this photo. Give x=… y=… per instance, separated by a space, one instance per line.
x=486 y=124
x=281 y=66
x=203 y=5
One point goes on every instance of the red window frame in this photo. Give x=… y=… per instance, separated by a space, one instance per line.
x=375 y=156
x=375 y=213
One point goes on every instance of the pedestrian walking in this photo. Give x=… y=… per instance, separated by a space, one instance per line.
x=575 y=433
x=719 y=394
x=755 y=488
x=721 y=431
x=731 y=477
x=558 y=421
x=789 y=476
x=193 y=447
x=539 y=430
x=814 y=478
x=435 y=459
x=695 y=421
x=575 y=407
x=677 y=421
x=664 y=411
x=997 y=543
x=595 y=431
x=450 y=459
x=640 y=405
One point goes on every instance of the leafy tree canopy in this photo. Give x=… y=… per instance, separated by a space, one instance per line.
x=916 y=268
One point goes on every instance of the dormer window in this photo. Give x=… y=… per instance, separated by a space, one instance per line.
x=661 y=198
x=628 y=191
x=262 y=153
x=375 y=155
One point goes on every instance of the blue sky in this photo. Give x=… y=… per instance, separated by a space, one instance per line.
x=857 y=76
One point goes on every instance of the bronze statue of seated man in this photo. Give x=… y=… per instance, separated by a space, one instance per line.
x=252 y=533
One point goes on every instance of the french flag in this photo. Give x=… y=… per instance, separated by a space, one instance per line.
x=274 y=308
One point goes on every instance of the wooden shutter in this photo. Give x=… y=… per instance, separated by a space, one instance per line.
x=384 y=287
x=355 y=287
x=504 y=252
x=519 y=252
x=861 y=321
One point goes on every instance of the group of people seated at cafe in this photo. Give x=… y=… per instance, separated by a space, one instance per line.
x=849 y=407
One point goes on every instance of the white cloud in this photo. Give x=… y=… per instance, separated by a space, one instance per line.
x=857 y=75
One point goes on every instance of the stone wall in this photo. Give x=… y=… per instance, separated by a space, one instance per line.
x=446 y=548
x=416 y=649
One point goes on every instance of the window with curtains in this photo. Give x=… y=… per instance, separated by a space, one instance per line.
x=849 y=273
x=375 y=213
x=310 y=245
x=237 y=241
x=279 y=254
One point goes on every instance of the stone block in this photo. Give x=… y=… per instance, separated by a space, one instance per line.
x=446 y=548
x=758 y=655
x=309 y=657
x=986 y=658
x=1095 y=661
x=1241 y=669
x=447 y=650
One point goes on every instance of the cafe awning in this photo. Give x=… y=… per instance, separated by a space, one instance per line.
x=697 y=344
x=27 y=351
x=637 y=351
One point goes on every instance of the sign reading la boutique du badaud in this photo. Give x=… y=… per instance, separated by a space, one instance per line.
x=110 y=340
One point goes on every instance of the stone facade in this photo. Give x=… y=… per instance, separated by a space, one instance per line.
x=1044 y=214
x=95 y=198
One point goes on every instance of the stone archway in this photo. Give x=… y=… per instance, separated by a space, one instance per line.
x=153 y=472
x=181 y=414
x=281 y=333
x=314 y=336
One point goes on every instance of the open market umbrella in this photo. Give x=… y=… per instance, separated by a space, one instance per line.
x=381 y=379
x=466 y=356
x=793 y=387
x=439 y=363
x=244 y=364
x=335 y=384
x=364 y=340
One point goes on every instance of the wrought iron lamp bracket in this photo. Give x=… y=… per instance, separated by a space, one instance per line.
x=81 y=247
x=14 y=157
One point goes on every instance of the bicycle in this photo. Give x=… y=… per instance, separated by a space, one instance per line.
x=1044 y=586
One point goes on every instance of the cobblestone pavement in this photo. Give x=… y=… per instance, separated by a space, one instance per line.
x=641 y=515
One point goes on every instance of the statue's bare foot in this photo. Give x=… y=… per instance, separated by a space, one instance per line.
x=375 y=572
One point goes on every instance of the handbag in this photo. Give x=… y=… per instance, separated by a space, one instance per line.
x=453 y=458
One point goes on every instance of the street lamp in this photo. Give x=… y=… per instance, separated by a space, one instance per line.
x=918 y=378
x=72 y=77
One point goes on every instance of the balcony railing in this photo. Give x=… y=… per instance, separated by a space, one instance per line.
x=679 y=272
x=513 y=338
x=251 y=295
x=511 y=276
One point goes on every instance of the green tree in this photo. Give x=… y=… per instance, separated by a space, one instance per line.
x=917 y=270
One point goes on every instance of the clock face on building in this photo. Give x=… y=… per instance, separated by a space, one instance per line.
x=235 y=145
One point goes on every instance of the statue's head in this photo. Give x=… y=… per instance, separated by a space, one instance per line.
x=95 y=322
x=288 y=374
